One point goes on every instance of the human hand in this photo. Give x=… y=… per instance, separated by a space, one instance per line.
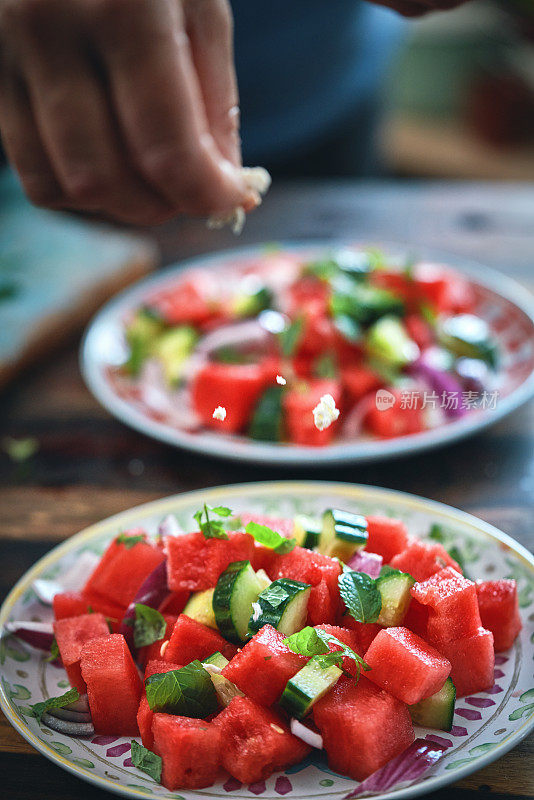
x=127 y=108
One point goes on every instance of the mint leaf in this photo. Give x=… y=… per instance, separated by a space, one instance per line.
x=289 y=337
x=360 y=595
x=436 y=533
x=387 y=570
x=306 y=642
x=188 y=692
x=54 y=651
x=269 y=538
x=146 y=760
x=63 y=700
x=344 y=652
x=212 y=528
x=273 y=596
x=130 y=541
x=333 y=659
x=149 y=625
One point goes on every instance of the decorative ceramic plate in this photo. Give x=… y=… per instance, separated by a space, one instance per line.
x=504 y=305
x=485 y=727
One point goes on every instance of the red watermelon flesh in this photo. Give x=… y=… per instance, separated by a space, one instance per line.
x=71 y=634
x=472 y=662
x=405 y=665
x=194 y=563
x=416 y=618
x=298 y=408
x=364 y=632
x=174 y=603
x=321 y=572
x=153 y=651
x=72 y=604
x=362 y=726
x=387 y=536
x=423 y=559
x=256 y=741
x=264 y=666
x=453 y=605
x=123 y=568
x=113 y=685
x=349 y=638
x=263 y=557
x=499 y=611
x=190 y=750
x=191 y=639
x=145 y=713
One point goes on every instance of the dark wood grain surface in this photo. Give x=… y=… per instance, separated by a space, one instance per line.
x=88 y=466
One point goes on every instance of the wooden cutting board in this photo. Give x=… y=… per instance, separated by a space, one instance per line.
x=55 y=272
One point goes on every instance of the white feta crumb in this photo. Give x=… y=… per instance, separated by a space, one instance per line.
x=280 y=380
x=219 y=413
x=257 y=180
x=325 y=412
x=256 y=611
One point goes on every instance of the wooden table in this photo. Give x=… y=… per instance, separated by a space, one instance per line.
x=89 y=466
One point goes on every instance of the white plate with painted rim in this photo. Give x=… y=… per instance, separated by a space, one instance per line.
x=504 y=304
x=486 y=725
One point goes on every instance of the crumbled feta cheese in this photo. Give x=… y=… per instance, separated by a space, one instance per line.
x=257 y=180
x=219 y=413
x=325 y=412
x=256 y=611
x=280 y=380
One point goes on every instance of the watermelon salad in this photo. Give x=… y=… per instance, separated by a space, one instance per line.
x=239 y=647
x=254 y=347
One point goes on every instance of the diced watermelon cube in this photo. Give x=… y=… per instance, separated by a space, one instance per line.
x=349 y=638
x=452 y=600
x=256 y=741
x=298 y=407
x=153 y=651
x=499 y=611
x=236 y=387
x=190 y=750
x=191 y=640
x=321 y=572
x=365 y=632
x=174 y=603
x=363 y=727
x=358 y=381
x=72 y=604
x=472 y=662
x=263 y=557
x=395 y=420
x=416 y=618
x=387 y=536
x=113 y=685
x=194 y=563
x=123 y=568
x=422 y=559
x=145 y=713
x=264 y=666
x=71 y=634
x=405 y=665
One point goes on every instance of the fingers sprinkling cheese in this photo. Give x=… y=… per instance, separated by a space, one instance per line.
x=257 y=180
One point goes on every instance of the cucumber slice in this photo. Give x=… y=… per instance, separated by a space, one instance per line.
x=217 y=660
x=436 y=711
x=388 y=342
x=263 y=579
x=307 y=687
x=284 y=605
x=306 y=531
x=172 y=349
x=342 y=534
x=469 y=336
x=252 y=300
x=266 y=424
x=200 y=607
x=237 y=588
x=394 y=588
x=141 y=335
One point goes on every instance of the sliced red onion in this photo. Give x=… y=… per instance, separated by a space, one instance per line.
x=66 y=727
x=443 y=383
x=308 y=736
x=401 y=771
x=248 y=332
x=152 y=592
x=38 y=634
x=70 y=716
x=71 y=581
x=353 y=421
x=473 y=373
x=81 y=704
x=370 y=563
x=169 y=526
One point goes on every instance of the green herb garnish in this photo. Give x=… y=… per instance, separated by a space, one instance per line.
x=149 y=625
x=54 y=651
x=269 y=538
x=188 y=692
x=130 y=541
x=212 y=528
x=360 y=595
x=306 y=642
x=289 y=337
x=146 y=760
x=63 y=700
x=314 y=642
